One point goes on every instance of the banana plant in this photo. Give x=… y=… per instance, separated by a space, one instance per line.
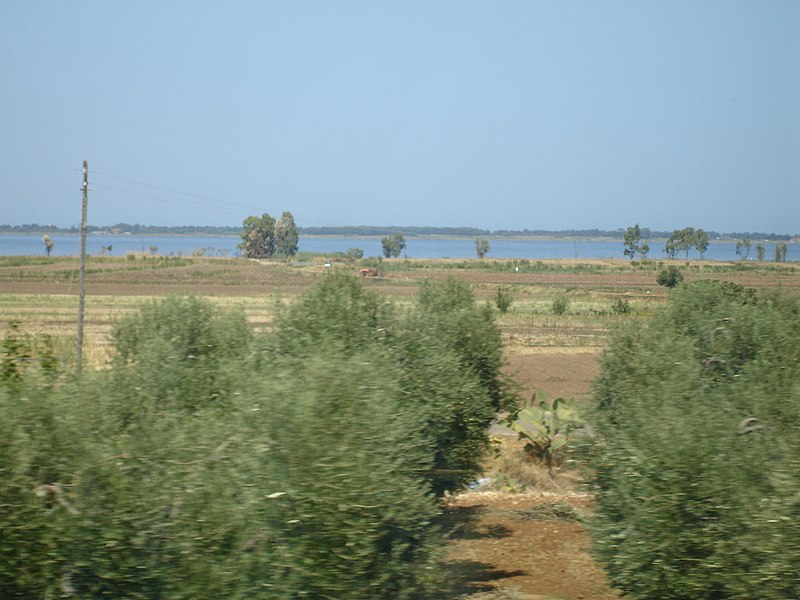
x=546 y=427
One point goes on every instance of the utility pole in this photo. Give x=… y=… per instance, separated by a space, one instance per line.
x=82 y=293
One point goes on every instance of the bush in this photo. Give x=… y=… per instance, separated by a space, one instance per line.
x=448 y=311
x=177 y=352
x=448 y=352
x=560 y=305
x=697 y=471
x=620 y=306
x=338 y=314
x=303 y=478
x=669 y=277
x=503 y=299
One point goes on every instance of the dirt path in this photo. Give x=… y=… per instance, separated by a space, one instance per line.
x=532 y=545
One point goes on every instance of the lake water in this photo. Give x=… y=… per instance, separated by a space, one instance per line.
x=175 y=245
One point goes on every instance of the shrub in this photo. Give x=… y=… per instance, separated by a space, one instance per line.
x=22 y=355
x=448 y=311
x=447 y=349
x=338 y=313
x=308 y=480
x=352 y=518
x=503 y=299
x=560 y=305
x=621 y=306
x=669 y=277
x=697 y=471
x=176 y=352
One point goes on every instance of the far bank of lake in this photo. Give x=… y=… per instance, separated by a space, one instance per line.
x=416 y=247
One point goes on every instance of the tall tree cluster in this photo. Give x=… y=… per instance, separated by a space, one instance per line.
x=683 y=240
x=264 y=237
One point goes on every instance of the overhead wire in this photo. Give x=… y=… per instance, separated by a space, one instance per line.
x=209 y=203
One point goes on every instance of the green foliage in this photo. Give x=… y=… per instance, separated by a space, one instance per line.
x=258 y=237
x=743 y=247
x=481 y=247
x=780 y=252
x=22 y=355
x=178 y=352
x=697 y=469
x=206 y=463
x=447 y=352
x=286 y=235
x=670 y=277
x=448 y=310
x=338 y=313
x=503 y=299
x=545 y=427
x=560 y=304
x=631 y=241
x=393 y=245
x=700 y=241
x=133 y=482
x=354 y=254
x=349 y=517
x=684 y=239
x=621 y=306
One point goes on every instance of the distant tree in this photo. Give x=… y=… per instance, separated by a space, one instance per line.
x=644 y=249
x=686 y=240
x=393 y=245
x=258 y=237
x=780 y=252
x=633 y=236
x=671 y=245
x=153 y=250
x=354 y=254
x=700 y=241
x=105 y=250
x=48 y=243
x=760 y=252
x=481 y=247
x=682 y=240
x=743 y=247
x=286 y=235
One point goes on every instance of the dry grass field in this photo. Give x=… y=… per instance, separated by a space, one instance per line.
x=520 y=540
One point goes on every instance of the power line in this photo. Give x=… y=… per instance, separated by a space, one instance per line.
x=215 y=204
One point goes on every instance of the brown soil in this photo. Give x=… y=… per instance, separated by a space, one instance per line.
x=531 y=545
x=525 y=543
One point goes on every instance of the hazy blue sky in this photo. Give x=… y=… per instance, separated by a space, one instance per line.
x=492 y=114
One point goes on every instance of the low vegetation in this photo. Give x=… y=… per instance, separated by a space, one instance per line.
x=697 y=466
x=296 y=429
x=211 y=461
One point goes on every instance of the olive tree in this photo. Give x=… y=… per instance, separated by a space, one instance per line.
x=697 y=467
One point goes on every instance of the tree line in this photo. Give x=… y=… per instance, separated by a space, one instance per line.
x=139 y=229
x=683 y=240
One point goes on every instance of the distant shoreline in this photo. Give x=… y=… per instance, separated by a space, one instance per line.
x=538 y=236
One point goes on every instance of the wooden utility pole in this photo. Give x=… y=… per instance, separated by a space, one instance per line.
x=82 y=292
